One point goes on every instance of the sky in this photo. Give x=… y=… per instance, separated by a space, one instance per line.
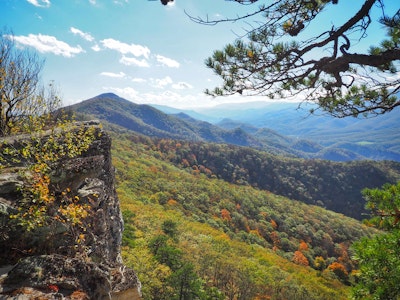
x=138 y=49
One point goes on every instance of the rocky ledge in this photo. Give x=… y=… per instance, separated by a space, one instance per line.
x=45 y=263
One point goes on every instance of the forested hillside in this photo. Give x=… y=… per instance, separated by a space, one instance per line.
x=222 y=221
x=351 y=145
x=333 y=185
x=331 y=138
x=189 y=233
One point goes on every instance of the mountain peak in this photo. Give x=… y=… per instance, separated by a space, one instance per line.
x=108 y=95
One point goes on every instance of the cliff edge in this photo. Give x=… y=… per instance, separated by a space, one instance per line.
x=47 y=263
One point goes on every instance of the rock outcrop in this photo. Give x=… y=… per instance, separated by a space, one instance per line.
x=46 y=263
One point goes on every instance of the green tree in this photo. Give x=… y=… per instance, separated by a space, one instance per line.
x=283 y=57
x=184 y=282
x=169 y=227
x=187 y=285
x=379 y=257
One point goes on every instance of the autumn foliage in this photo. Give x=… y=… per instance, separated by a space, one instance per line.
x=243 y=243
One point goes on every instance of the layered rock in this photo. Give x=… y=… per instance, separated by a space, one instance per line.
x=46 y=262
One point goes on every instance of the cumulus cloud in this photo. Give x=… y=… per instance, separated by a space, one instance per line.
x=40 y=3
x=165 y=97
x=131 y=61
x=181 y=86
x=126 y=92
x=167 y=61
x=48 y=44
x=82 y=34
x=161 y=83
x=96 y=48
x=114 y=75
x=123 y=48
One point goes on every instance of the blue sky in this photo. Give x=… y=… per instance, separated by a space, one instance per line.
x=139 y=49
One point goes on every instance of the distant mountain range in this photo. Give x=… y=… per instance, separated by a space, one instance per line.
x=278 y=128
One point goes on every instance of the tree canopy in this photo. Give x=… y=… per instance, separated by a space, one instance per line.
x=297 y=49
x=378 y=257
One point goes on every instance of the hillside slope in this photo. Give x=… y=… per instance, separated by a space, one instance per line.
x=342 y=139
x=336 y=186
x=233 y=241
x=152 y=122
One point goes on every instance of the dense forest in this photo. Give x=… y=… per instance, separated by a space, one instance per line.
x=189 y=232
x=332 y=185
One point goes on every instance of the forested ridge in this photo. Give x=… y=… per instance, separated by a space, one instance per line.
x=333 y=185
x=185 y=227
x=353 y=144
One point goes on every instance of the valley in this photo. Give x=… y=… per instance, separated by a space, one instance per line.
x=208 y=210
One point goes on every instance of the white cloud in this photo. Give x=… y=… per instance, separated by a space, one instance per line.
x=48 y=44
x=131 y=61
x=82 y=34
x=120 y=2
x=164 y=98
x=113 y=75
x=126 y=92
x=96 y=48
x=167 y=61
x=161 y=83
x=40 y=3
x=93 y=2
x=139 y=80
x=181 y=86
x=123 y=48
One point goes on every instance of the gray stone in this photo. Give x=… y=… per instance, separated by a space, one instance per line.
x=48 y=256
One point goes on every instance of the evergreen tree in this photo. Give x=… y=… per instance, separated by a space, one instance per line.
x=379 y=256
x=283 y=56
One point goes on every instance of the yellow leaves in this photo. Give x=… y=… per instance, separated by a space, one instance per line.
x=74 y=213
x=81 y=238
x=25 y=153
x=40 y=206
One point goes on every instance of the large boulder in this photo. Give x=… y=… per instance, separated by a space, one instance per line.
x=46 y=263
